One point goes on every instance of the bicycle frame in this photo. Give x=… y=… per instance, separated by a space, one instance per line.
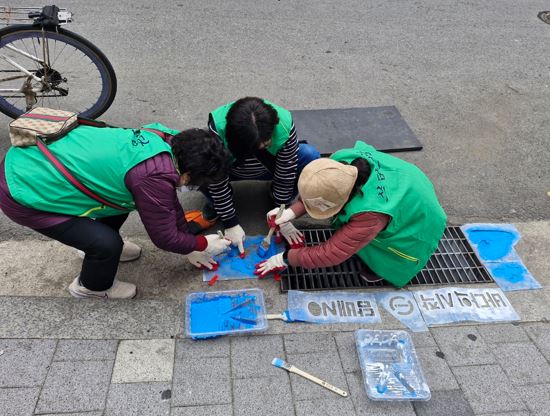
x=22 y=14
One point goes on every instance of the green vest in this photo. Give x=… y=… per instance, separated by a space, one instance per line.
x=281 y=132
x=98 y=157
x=402 y=191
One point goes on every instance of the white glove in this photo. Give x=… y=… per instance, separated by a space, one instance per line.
x=291 y=234
x=286 y=216
x=236 y=235
x=201 y=259
x=273 y=265
x=216 y=245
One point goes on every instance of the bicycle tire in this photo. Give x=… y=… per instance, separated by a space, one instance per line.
x=107 y=77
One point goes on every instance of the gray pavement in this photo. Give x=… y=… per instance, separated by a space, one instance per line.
x=470 y=78
x=235 y=376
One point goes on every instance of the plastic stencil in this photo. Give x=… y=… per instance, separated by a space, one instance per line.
x=232 y=312
x=391 y=370
x=231 y=266
x=494 y=244
x=332 y=307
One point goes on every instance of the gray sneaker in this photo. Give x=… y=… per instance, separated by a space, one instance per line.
x=119 y=290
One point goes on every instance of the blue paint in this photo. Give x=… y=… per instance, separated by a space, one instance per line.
x=512 y=276
x=224 y=313
x=492 y=244
x=233 y=267
x=277 y=362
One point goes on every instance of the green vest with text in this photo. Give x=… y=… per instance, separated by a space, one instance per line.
x=281 y=132
x=403 y=192
x=98 y=157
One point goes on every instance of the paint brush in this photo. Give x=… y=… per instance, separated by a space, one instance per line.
x=266 y=242
x=277 y=362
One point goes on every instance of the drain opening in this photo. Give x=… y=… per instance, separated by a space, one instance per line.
x=454 y=262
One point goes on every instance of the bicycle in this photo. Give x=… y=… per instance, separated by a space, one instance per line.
x=42 y=64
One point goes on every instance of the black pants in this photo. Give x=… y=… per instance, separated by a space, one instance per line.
x=100 y=240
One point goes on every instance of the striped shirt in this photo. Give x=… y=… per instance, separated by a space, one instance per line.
x=284 y=178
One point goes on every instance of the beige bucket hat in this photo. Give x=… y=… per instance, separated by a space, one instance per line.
x=325 y=186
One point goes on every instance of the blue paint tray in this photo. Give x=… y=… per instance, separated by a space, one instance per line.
x=231 y=312
x=391 y=370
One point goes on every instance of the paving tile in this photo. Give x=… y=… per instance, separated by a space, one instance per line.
x=540 y=334
x=201 y=381
x=422 y=339
x=488 y=389
x=252 y=356
x=496 y=334
x=522 y=362
x=263 y=396
x=366 y=407
x=188 y=348
x=144 y=360
x=309 y=342
x=463 y=346
x=537 y=398
x=218 y=410
x=75 y=386
x=325 y=407
x=18 y=401
x=83 y=350
x=448 y=403
x=437 y=372
x=135 y=399
x=74 y=414
x=24 y=363
x=525 y=413
x=348 y=351
x=323 y=365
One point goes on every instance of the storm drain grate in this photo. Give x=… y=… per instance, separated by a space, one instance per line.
x=454 y=262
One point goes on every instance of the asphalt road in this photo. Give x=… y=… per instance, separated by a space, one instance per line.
x=470 y=77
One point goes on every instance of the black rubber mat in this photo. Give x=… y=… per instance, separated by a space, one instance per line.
x=334 y=129
x=454 y=262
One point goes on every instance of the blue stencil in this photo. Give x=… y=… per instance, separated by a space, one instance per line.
x=233 y=267
x=494 y=244
x=212 y=314
x=332 y=307
x=391 y=370
x=452 y=304
x=402 y=306
x=512 y=275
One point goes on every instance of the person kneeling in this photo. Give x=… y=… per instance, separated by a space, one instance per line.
x=385 y=210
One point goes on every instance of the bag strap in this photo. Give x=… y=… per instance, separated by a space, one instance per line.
x=71 y=179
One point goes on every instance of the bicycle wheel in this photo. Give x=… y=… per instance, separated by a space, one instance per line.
x=64 y=71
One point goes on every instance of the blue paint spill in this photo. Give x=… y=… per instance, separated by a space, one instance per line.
x=494 y=244
x=212 y=314
x=233 y=267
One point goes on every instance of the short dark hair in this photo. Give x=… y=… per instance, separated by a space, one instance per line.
x=202 y=154
x=250 y=122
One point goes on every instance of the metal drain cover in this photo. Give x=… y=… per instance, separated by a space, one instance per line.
x=454 y=262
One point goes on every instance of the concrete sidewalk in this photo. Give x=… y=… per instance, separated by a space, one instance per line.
x=60 y=355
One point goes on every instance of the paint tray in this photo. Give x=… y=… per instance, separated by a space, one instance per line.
x=232 y=312
x=391 y=370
